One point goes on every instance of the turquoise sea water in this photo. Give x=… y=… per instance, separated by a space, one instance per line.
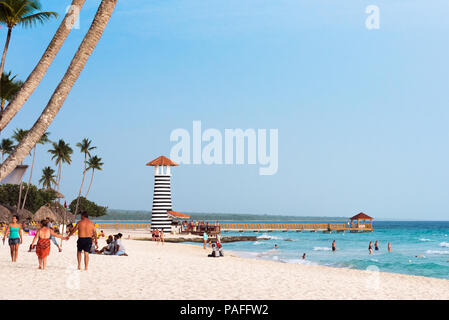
x=408 y=240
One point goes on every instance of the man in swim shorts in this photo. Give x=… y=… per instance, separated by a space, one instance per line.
x=86 y=231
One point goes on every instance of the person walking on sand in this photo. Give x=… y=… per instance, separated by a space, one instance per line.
x=370 y=247
x=162 y=236
x=42 y=238
x=334 y=247
x=205 y=237
x=86 y=231
x=14 y=233
x=52 y=238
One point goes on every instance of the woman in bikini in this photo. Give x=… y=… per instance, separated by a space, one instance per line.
x=14 y=232
x=43 y=243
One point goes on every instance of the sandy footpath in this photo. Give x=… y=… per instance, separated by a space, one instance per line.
x=183 y=271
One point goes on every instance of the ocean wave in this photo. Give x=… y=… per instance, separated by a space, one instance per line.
x=437 y=251
x=424 y=239
x=298 y=261
x=321 y=249
x=257 y=243
x=269 y=237
x=444 y=244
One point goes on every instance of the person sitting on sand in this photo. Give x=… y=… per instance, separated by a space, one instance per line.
x=215 y=253
x=119 y=247
x=43 y=246
x=109 y=248
x=220 y=249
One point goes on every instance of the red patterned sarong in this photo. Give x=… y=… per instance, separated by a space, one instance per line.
x=43 y=248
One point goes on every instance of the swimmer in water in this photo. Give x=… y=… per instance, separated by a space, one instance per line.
x=334 y=248
x=370 y=247
x=376 y=245
x=275 y=246
x=304 y=256
x=389 y=246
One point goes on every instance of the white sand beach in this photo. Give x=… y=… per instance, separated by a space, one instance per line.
x=183 y=271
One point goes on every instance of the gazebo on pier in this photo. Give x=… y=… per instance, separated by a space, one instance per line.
x=361 y=222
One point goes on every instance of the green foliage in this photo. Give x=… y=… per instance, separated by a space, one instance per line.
x=36 y=198
x=92 y=208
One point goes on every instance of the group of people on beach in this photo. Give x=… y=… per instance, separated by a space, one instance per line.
x=41 y=244
x=200 y=226
x=158 y=235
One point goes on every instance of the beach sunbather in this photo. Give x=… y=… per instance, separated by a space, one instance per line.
x=119 y=247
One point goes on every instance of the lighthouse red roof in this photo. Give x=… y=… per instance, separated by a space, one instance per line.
x=162 y=161
x=178 y=215
x=361 y=216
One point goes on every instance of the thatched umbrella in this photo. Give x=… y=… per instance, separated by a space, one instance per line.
x=64 y=215
x=45 y=212
x=5 y=215
x=24 y=215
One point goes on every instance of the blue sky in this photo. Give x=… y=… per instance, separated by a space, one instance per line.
x=362 y=114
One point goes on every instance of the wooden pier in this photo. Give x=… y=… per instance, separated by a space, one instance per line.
x=297 y=227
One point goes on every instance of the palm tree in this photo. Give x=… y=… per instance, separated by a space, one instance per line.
x=42 y=66
x=9 y=88
x=19 y=135
x=48 y=177
x=61 y=152
x=21 y=12
x=43 y=140
x=6 y=147
x=85 y=147
x=94 y=164
x=57 y=100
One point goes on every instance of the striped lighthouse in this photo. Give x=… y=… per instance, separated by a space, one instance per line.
x=160 y=219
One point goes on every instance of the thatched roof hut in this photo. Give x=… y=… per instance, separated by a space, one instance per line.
x=45 y=212
x=63 y=215
x=5 y=215
x=24 y=215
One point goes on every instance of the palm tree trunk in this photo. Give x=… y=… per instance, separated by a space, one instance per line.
x=44 y=63
x=59 y=174
x=20 y=196
x=90 y=184
x=82 y=182
x=2 y=65
x=86 y=48
x=29 y=179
